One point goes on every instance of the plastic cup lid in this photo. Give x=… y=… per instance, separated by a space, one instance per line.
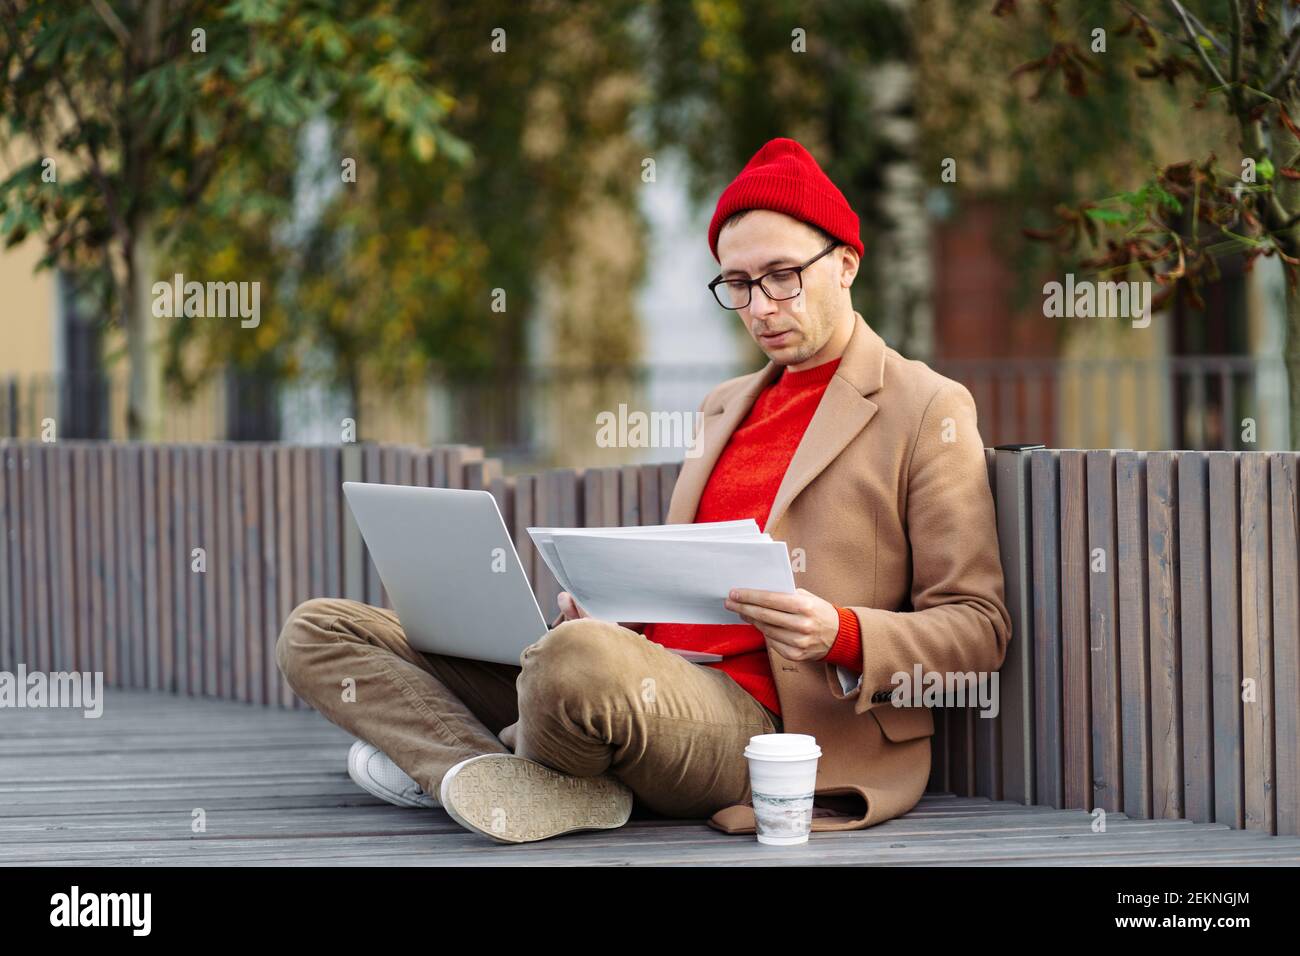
x=783 y=747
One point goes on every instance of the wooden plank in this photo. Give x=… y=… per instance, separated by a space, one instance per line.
x=480 y=475
x=82 y=564
x=231 y=461
x=649 y=492
x=149 y=495
x=255 y=533
x=197 y=635
x=331 y=515
x=629 y=490
x=1162 y=595
x=63 y=563
x=285 y=491
x=317 y=546
x=218 y=605
x=1015 y=746
x=558 y=506
x=8 y=542
x=263 y=666
x=1258 y=716
x=605 y=497
x=1077 y=761
x=354 y=557
x=109 y=565
x=24 y=562
x=422 y=461
x=1045 y=521
x=166 y=571
x=986 y=739
x=961 y=750
x=1134 y=658
x=116 y=556
x=396 y=468
x=458 y=456
x=180 y=557
x=939 y=763
x=63 y=585
x=306 y=567
x=1225 y=638
x=99 y=624
x=132 y=530
x=372 y=473
x=1103 y=612
x=668 y=472
x=40 y=594
x=525 y=516
x=546 y=514
x=1285 y=538
x=1194 y=625
x=503 y=490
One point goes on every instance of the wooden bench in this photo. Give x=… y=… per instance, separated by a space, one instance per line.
x=1144 y=588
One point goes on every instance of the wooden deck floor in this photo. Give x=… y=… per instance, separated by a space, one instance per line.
x=124 y=788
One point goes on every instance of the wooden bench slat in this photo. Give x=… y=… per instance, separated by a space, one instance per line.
x=1194 y=636
x=1225 y=637
x=1134 y=654
x=1257 y=644
x=1075 y=635
x=1048 y=715
x=1285 y=514
x=1103 y=631
x=1166 y=687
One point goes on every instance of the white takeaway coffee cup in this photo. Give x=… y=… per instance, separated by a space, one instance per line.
x=782 y=777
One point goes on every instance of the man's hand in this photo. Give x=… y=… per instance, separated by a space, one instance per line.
x=572 y=611
x=570 y=608
x=802 y=625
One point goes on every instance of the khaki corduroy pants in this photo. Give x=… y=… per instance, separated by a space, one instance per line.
x=589 y=697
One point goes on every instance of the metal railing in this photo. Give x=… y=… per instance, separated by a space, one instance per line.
x=540 y=416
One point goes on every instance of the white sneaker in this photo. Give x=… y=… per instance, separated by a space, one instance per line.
x=372 y=770
x=511 y=799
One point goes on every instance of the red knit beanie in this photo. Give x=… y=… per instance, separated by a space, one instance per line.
x=784 y=177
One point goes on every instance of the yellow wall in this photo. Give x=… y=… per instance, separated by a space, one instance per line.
x=27 y=313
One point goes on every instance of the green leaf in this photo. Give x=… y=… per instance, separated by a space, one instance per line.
x=1115 y=216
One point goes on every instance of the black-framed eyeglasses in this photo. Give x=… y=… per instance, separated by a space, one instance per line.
x=779 y=284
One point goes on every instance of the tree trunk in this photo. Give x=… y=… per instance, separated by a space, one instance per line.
x=144 y=390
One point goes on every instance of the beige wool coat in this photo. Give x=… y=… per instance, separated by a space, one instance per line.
x=888 y=497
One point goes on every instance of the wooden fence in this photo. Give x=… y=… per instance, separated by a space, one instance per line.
x=1155 y=597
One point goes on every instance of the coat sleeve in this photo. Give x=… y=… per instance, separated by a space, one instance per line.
x=958 y=621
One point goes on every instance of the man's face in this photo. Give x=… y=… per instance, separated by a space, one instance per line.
x=789 y=331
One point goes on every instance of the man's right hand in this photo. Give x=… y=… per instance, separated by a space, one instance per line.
x=572 y=611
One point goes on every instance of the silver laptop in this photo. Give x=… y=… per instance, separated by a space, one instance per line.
x=450 y=569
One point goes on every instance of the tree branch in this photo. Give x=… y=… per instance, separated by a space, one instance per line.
x=1193 y=39
x=1223 y=51
x=114 y=23
x=1286 y=69
x=1234 y=67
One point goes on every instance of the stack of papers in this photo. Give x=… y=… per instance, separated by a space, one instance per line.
x=678 y=573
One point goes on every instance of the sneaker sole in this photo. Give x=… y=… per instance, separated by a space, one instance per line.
x=512 y=799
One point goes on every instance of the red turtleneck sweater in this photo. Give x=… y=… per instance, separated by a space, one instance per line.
x=743 y=484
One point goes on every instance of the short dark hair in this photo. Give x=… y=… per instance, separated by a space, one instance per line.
x=740 y=214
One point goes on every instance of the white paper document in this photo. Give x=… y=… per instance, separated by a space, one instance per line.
x=664 y=573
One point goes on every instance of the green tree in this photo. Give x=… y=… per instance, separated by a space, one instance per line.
x=396 y=275
x=1235 y=57
x=146 y=105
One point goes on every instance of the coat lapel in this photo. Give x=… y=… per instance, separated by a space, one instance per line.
x=843 y=412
